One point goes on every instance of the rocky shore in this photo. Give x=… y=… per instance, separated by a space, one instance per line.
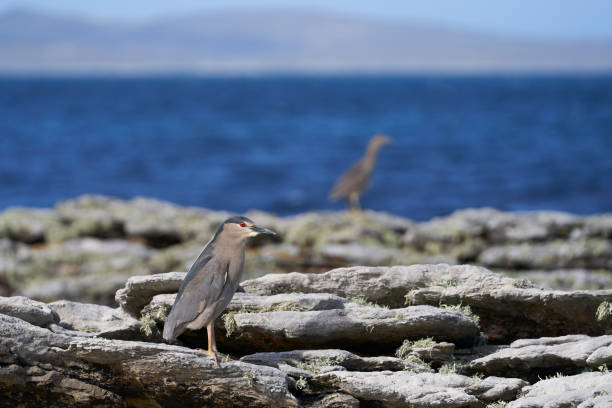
x=84 y=249
x=478 y=309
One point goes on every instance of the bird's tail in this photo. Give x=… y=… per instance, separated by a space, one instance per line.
x=169 y=334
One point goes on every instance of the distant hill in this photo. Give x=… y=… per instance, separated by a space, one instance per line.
x=275 y=40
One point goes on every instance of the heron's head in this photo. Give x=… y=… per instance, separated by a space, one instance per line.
x=379 y=140
x=241 y=228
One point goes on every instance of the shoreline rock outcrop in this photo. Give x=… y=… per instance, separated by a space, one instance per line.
x=85 y=248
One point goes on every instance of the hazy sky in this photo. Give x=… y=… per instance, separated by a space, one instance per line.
x=543 y=18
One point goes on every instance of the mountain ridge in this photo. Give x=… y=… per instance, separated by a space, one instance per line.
x=276 y=40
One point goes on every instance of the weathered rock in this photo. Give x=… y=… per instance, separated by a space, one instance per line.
x=101 y=320
x=401 y=389
x=508 y=308
x=314 y=360
x=491 y=389
x=247 y=302
x=567 y=279
x=359 y=254
x=25 y=225
x=78 y=258
x=157 y=223
x=94 y=288
x=36 y=313
x=41 y=368
x=367 y=329
x=139 y=290
x=591 y=253
x=546 y=356
x=583 y=391
x=496 y=226
x=434 y=352
x=334 y=400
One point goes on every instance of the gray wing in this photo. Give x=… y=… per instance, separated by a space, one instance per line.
x=354 y=180
x=202 y=287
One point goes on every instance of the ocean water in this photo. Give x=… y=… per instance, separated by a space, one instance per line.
x=278 y=143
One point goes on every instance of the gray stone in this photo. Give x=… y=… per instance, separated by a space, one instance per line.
x=333 y=400
x=437 y=352
x=496 y=226
x=581 y=390
x=42 y=367
x=101 y=320
x=25 y=225
x=36 y=313
x=567 y=279
x=254 y=303
x=314 y=360
x=77 y=259
x=401 y=388
x=492 y=389
x=531 y=358
x=359 y=254
x=139 y=290
x=368 y=329
x=94 y=288
x=508 y=308
x=590 y=253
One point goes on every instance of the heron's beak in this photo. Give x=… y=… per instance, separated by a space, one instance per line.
x=262 y=230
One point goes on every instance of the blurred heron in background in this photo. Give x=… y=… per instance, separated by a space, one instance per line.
x=351 y=185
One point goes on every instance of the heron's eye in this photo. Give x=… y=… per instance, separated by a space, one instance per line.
x=243 y=224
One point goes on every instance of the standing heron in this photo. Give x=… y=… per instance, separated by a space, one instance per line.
x=357 y=179
x=211 y=282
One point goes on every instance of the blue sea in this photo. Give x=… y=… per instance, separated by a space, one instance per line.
x=279 y=143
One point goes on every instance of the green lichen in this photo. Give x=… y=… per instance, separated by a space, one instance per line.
x=446 y=282
x=301 y=383
x=147 y=323
x=315 y=364
x=407 y=347
x=465 y=310
x=408 y=297
x=249 y=378
x=604 y=311
x=365 y=302
x=281 y=307
x=498 y=404
x=414 y=359
x=451 y=367
x=230 y=323
x=149 y=319
x=87 y=329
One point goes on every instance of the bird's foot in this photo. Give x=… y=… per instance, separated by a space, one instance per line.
x=213 y=354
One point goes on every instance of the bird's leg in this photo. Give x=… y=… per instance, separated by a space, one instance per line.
x=354 y=201
x=212 y=345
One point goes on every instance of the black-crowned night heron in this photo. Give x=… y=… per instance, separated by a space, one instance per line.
x=211 y=282
x=357 y=179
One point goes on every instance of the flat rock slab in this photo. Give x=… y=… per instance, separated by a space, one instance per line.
x=586 y=390
x=253 y=303
x=102 y=320
x=368 y=329
x=139 y=290
x=547 y=356
x=42 y=368
x=36 y=313
x=315 y=360
x=401 y=389
x=315 y=320
x=508 y=308
x=589 y=253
